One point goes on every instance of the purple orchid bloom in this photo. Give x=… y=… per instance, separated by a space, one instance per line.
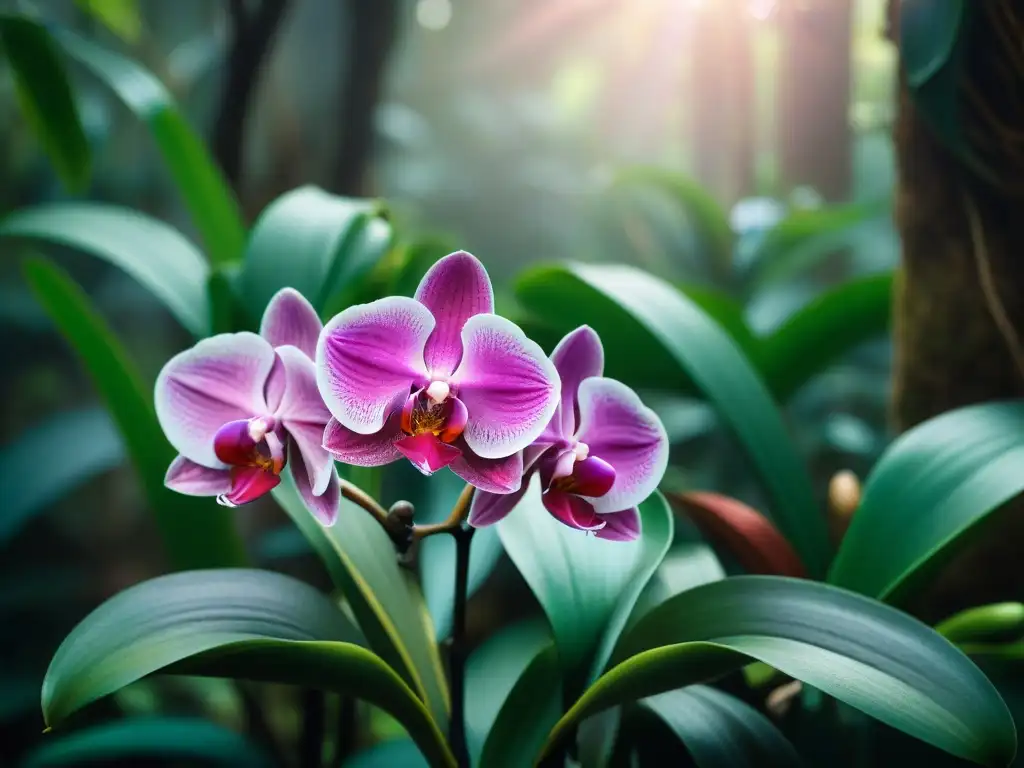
x=602 y=454
x=238 y=407
x=439 y=379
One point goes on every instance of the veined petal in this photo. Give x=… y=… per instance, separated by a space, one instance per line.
x=427 y=453
x=374 y=450
x=368 y=355
x=620 y=429
x=324 y=505
x=454 y=289
x=304 y=415
x=574 y=511
x=490 y=508
x=578 y=356
x=510 y=388
x=193 y=479
x=290 y=319
x=492 y=475
x=621 y=526
x=220 y=379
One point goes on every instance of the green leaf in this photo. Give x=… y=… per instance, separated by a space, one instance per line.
x=994 y=623
x=640 y=317
x=586 y=586
x=388 y=754
x=196 y=532
x=228 y=622
x=513 y=695
x=121 y=17
x=825 y=330
x=306 y=239
x=720 y=731
x=686 y=566
x=156 y=255
x=30 y=479
x=146 y=738
x=45 y=97
x=386 y=602
x=206 y=194
x=928 y=30
x=346 y=283
x=729 y=314
x=931 y=488
x=869 y=655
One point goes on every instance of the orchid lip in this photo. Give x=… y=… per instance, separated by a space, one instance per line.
x=591 y=476
x=423 y=414
x=251 y=443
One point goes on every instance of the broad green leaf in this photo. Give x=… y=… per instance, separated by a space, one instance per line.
x=153 y=253
x=999 y=622
x=866 y=654
x=686 y=566
x=928 y=30
x=210 y=202
x=121 y=17
x=720 y=731
x=639 y=316
x=586 y=586
x=729 y=314
x=145 y=738
x=361 y=260
x=362 y=563
x=306 y=239
x=196 y=532
x=45 y=97
x=388 y=754
x=513 y=695
x=31 y=477
x=932 y=487
x=822 y=332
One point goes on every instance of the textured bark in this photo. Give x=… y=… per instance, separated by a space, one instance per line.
x=959 y=276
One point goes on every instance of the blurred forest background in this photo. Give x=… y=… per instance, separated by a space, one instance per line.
x=503 y=127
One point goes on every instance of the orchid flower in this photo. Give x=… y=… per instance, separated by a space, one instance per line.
x=602 y=454
x=238 y=407
x=438 y=379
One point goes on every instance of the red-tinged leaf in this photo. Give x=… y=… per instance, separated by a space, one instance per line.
x=741 y=530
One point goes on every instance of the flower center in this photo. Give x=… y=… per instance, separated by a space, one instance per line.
x=436 y=411
x=587 y=476
x=256 y=455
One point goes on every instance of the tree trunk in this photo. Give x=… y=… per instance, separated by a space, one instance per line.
x=959 y=307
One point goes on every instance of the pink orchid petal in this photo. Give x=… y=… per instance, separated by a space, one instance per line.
x=368 y=355
x=490 y=508
x=374 y=450
x=248 y=484
x=594 y=476
x=191 y=479
x=620 y=429
x=290 y=319
x=571 y=510
x=220 y=379
x=324 y=505
x=427 y=453
x=500 y=476
x=304 y=415
x=273 y=390
x=510 y=388
x=454 y=289
x=578 y=356
x=621 y=526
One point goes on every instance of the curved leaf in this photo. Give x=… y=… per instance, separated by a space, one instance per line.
x=586 y=586
x=819 y=334
x=117 y=382
x=362 y=563
x=156 y=255
x=638 y=315
x=305 y=240
x=862 y=652
x=30 y=479
x=720 y=731
x=227 y=623
x=742 y=531
x=929 y=31
x=686 y=566
x=935 y=484
x=141 y=738
x=122 y=17
x=45 y=97
x=206 y=194
x=999 y=622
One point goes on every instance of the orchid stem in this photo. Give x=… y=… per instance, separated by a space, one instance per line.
x=364 y=500
x=457 y=666
x=454 y=521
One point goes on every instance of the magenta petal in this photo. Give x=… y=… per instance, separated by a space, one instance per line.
x=291 y=320
x=454 y=289
x=618 y=428
x=572 y=510
x=304 y=414
x=193 y=479
x=248 y=484
x=510 y=388
x=427 y=453
x=621 y=526
x=499 y=476
x=220 y=379
x=324 y=505
x=370 y=354
x=490 y=508
x=594 y=476
x=578 y=356
x=374 y=450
